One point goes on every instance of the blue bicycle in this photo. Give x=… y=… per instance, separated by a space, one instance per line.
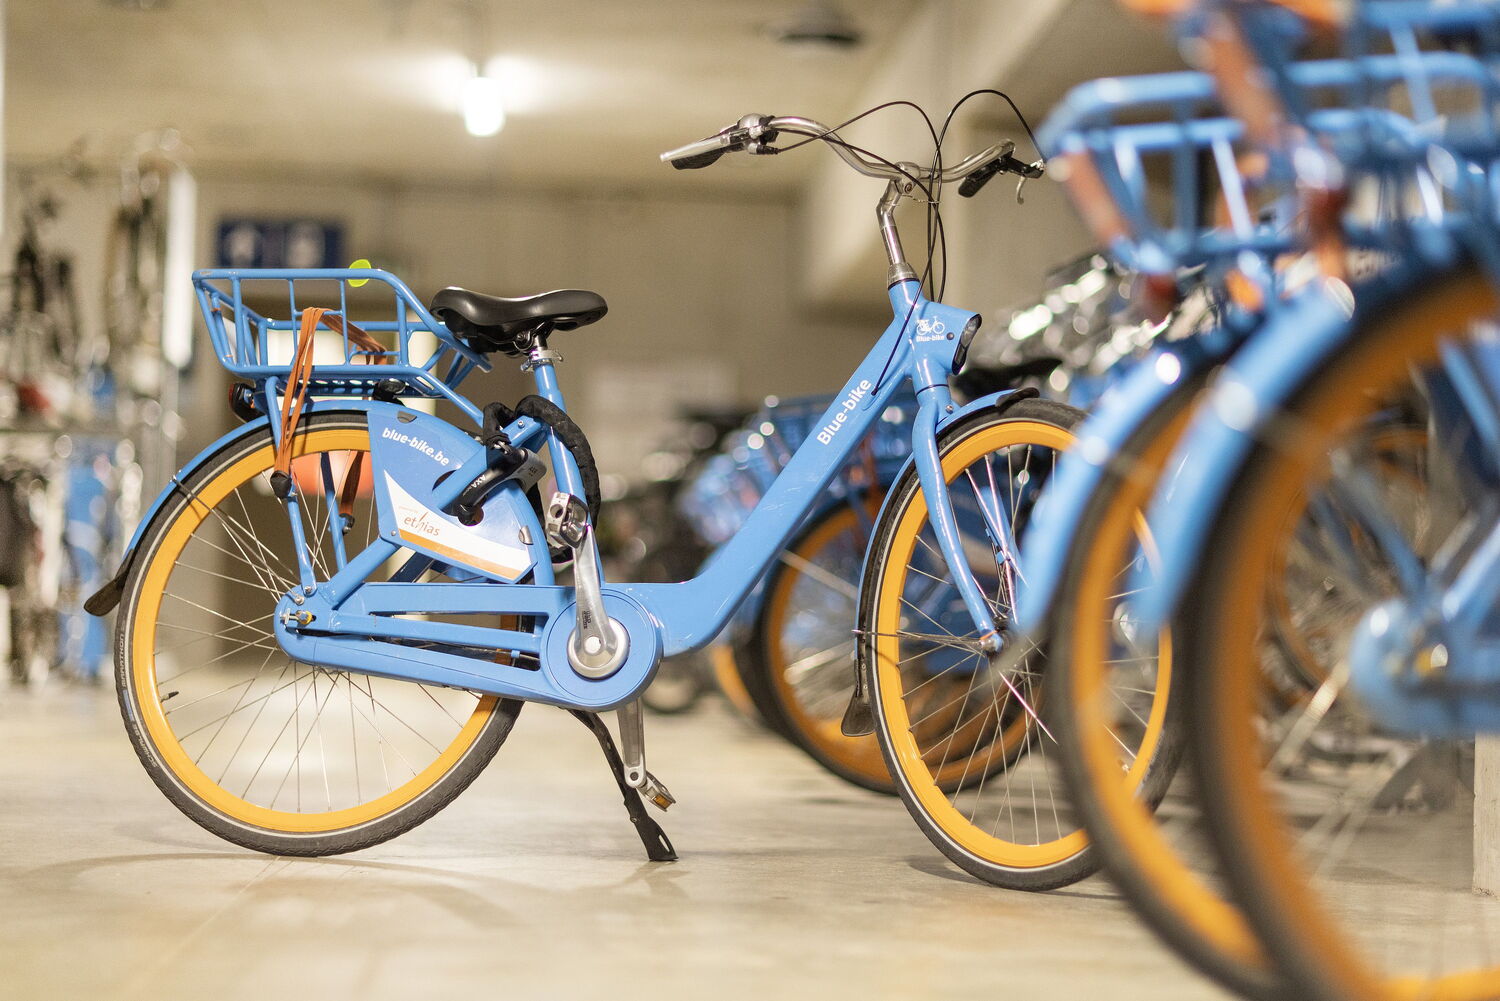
x=1379 y=424
x=330 y=618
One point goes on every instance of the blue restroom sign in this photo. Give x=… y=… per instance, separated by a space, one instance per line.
x=280 y=243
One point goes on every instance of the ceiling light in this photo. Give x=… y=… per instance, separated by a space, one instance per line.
x=483 y=105
x=820 y=24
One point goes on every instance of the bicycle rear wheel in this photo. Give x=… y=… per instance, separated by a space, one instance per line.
x=803 y=647
x=262 y=750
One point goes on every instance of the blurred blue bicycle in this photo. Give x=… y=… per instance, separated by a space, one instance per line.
x=1322 y=501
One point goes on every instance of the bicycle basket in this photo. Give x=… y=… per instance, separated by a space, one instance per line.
x=254 y=319
x=1167 y=182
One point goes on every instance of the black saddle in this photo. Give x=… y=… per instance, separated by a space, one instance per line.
x=492 y=323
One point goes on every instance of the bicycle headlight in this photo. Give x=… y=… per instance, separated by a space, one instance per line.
x=966 y=338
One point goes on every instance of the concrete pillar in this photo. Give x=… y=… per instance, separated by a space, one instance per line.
x=1487 y=815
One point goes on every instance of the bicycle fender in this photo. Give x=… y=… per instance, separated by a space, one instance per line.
x=1002 y=401
x=104 y=600
x=1063 y=505
x=1237 y=412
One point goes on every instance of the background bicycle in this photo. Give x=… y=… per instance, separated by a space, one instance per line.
x=1342 y=775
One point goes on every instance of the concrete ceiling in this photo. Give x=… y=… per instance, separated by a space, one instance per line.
x=598 y=87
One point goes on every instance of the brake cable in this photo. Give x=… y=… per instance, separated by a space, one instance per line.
x=937 y=242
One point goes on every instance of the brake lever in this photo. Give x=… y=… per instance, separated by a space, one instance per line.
x=1040 y=167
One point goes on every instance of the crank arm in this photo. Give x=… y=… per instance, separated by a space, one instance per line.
x=599 y=644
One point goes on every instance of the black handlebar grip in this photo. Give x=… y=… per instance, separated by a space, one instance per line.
x=1007 y=164
x=700 y=160
x=971 y=184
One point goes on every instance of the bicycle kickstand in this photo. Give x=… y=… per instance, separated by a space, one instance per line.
x=658 y=845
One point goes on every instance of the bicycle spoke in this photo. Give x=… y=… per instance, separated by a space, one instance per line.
x=822 y=576
x=250 y=684
x=269 y=730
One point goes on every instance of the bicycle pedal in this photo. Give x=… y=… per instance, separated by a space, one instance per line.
x=656 y=793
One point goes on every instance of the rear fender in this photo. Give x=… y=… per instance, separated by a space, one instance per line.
x=103 y=601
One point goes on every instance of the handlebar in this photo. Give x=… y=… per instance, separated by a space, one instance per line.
x=754 y=133
x=702 y=153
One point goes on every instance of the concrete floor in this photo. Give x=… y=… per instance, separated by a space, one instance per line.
x=531 y=885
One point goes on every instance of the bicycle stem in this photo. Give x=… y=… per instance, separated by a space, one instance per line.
x=885 y=212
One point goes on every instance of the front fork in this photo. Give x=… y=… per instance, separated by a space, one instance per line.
x=932 y=404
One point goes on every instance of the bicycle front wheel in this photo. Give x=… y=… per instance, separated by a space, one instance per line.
x=966 y=736
x=263 y=750
x=1350 y=846
x=1150 y=838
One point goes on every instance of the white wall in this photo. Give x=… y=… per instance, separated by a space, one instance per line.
x=743 y=297
x=999 y=253
x=701 y=292
x=949 y=48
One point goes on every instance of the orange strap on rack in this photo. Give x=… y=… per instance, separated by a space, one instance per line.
x=1092 y=197
x=349 y=489
x=1246 y=91
x=294 y=397
x=367 y=345
x=1323 y=14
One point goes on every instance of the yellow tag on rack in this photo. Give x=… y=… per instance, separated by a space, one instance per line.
x=361 y=263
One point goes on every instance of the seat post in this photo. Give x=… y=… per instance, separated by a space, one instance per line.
x=540 y=362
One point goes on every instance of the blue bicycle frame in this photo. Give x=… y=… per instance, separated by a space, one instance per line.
x=348 y=621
